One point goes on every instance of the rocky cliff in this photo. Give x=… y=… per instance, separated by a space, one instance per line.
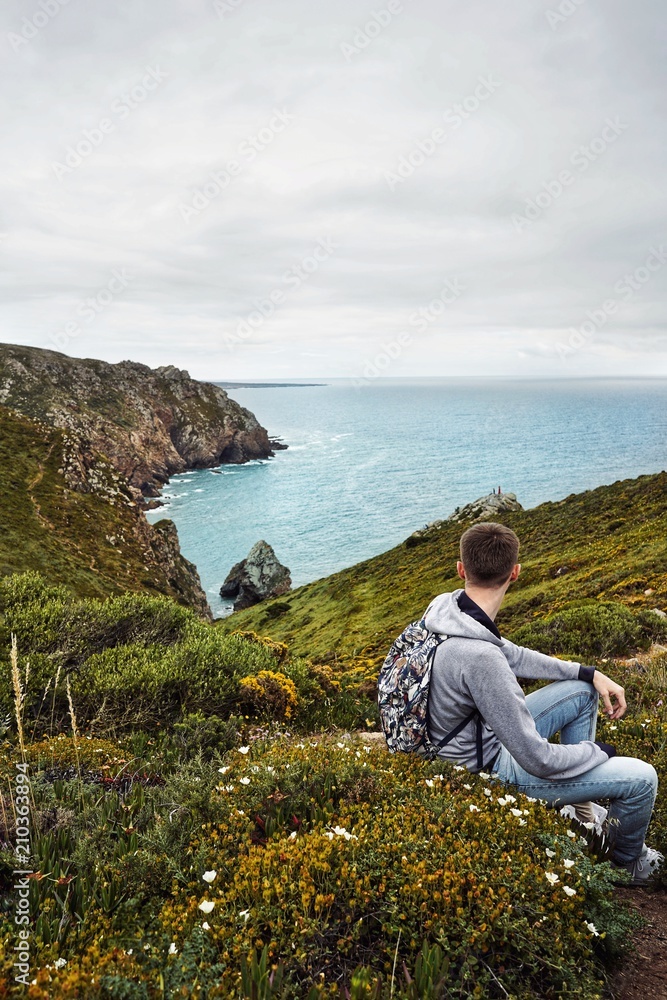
x=96 y=541
x=149 y=423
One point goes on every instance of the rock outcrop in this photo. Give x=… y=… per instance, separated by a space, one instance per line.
x=120 y=432
x=257 y=577
x=484 y=509
x=149 y=423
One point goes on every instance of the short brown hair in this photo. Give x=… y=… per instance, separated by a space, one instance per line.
x=489 y=552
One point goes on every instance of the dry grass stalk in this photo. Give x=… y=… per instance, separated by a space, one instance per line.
x=75 y=733
x=53 y=700
x=19 y=694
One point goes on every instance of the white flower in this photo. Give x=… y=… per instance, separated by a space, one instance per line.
x=516 y=812
x=612 y=728
x=457 y=767
x=593 y=929
x=172 y=948
x=429 y=783
x=473 y=808
x=510 y=798
x=206 y=906
x=301 y=746
x=502 y=802
x=205 y=926
x=292 y=835
x=226 y=788
x=529 y=798
x=340 y=831
x=487 y=792
x=341 y=746
x=522 y=822
x=551 y=877
x=129 y=951
x=245 y=914
x=589 y=826
x=270 y=769
x=549 y=853
x=468 y=787
x=569 y=891
x=240 y=812
x=568 y=864
x=330 y=835
x=243 y=749
x=60 y=962
x=223 y=770
x=244 y=781
x=209 y=876
x=484 y=775
x=571 y=834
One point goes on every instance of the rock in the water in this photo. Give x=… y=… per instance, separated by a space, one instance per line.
x=256 y=578
x=484 y=509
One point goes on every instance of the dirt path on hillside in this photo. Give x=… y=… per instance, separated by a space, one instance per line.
x=643 y=975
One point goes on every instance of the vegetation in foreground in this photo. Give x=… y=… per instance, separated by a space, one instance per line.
x=208 y=820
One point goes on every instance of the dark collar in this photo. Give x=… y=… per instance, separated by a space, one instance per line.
x=469 y=607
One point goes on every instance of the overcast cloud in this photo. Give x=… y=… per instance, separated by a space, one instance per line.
x=415 y=187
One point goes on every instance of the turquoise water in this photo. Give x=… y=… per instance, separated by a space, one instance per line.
x=365 y=467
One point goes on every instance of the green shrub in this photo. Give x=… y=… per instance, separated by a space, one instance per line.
x=595 y=629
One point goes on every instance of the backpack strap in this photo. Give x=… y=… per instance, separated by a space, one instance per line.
x=475 y=714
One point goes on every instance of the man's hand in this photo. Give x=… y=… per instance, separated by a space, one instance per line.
x=608 y=690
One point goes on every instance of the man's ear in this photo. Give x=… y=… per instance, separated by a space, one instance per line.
x=460 y=569
x=515 y=572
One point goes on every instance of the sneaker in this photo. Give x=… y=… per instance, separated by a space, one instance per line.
x=644 y=867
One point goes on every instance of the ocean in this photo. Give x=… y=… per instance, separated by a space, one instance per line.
x=367 y=466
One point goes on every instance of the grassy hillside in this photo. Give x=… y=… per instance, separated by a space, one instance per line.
x=606 y=544
x=96 y=542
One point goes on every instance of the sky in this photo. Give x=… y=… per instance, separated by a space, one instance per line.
x=263 y=190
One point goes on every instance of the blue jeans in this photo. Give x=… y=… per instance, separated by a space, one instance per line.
x=571 y=708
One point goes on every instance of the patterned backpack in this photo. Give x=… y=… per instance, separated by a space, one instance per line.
x=403 y=686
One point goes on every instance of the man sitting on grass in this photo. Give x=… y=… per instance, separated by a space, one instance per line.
x=477 y=668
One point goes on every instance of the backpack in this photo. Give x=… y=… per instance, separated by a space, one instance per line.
x=403 y=686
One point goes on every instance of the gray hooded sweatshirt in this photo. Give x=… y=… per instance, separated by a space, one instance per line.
x=475 y=668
